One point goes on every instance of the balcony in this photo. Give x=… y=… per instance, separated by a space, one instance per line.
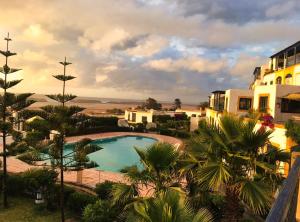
x=286 y=207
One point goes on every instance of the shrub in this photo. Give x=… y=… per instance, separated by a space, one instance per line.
x=183 y=134
x=36 y=178
x=103 y=190
x=78 y=201
x=15 y=185
x=100 y=211
x=161 y=118
x=27 y=157
x=17 y=148
x=32 y=138
x=167 y=132
x=293 y=130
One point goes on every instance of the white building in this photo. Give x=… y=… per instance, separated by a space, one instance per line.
x=147 y=116
x=275 y=90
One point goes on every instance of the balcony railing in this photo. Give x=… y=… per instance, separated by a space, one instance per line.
x=284 y=208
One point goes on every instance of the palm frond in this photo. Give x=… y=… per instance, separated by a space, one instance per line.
x=213 y=175
x=203 y=215
x=255 y=194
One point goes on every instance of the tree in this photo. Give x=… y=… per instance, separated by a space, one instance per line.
x=160 y=162
x=168 y=206
x=62 y=119
x=9 y=102
x=203 y=105
x=151 y=104
x=177 y=104
x=230 y=160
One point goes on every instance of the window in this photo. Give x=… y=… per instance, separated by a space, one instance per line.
x=271 y=82
x=263 y=103
x=290 y=57
x=288 y=79
x=245 y=103
x=133 y=117
x=144 y=119
x=278 y=80
x=281 y=61
x=298 y=54
x=290 y=106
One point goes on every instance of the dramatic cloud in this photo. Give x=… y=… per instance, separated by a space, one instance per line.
x=161 y=48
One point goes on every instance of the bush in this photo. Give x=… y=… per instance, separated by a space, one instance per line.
x=100 y=211
x=99 y=129
x=17 y=148
x=27 y=157
x=167 y=132
x=34 y=179
x=78 y=201
x=161 y=118
x=103 y=190
x=53 y=197
x=32 y=138
x=15 y=185
x=293 y=130
x=183 y=134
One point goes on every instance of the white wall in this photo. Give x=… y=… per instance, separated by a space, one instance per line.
x=139 y=116
x=268 y=78
x=277 y=137
x=265 y=90
x=275 y=93
x=232 y=95
x=190 y=113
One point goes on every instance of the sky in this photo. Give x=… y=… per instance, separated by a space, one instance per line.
x=137 y=49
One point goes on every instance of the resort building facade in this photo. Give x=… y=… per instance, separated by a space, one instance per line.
x=148 y=116
x=274 y=91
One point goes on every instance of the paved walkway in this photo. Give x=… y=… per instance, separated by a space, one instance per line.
x=90 y=177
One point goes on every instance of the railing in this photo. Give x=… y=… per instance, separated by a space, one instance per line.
x=285 y=206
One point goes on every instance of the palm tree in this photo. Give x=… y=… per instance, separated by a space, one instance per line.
x=231 y=161
x=168 y=206
x=160 y=162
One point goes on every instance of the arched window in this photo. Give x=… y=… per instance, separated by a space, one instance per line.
x=288 y=79
x=278 y=80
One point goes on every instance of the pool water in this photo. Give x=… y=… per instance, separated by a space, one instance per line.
x=117 y=152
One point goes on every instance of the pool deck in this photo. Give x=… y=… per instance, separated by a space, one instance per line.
x=90 y=177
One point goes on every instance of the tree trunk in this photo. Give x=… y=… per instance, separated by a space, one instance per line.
x=232 y=211
x=62 y=204
x=79 y=176
x=4 y=186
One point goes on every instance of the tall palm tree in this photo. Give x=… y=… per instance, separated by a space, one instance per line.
x=168 y=206
x=231 y=161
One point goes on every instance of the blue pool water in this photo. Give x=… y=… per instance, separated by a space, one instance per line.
x=117 y=152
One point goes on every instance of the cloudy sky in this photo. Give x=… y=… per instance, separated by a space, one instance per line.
x=140 y=48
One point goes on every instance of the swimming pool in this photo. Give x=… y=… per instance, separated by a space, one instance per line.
x=117 y=152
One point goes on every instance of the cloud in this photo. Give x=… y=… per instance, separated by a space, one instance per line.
x=245 y=64
x=148 y=46
x=164 y=48
x=36 y=34
x=200 y=65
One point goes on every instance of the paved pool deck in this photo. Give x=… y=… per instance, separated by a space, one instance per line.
x=90 y=177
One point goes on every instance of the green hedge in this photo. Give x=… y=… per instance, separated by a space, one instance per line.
x=100 y=129
x=175 y=133
x=103 y=190
x=78 y=201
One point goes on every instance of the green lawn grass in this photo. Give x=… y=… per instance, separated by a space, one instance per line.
x=23 y=209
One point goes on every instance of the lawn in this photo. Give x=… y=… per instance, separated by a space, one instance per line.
x=24 y=210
